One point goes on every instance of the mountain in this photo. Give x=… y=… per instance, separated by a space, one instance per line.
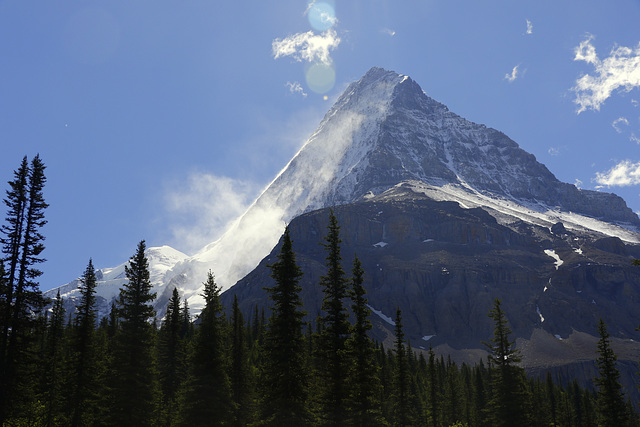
x=384 y=132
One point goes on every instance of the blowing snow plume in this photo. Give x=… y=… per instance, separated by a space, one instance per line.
x=319 y=175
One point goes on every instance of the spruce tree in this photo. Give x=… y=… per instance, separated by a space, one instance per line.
x=82 y=387
x=283 y=375
x=22 y=245
x=132 y=370
x=611 y=405
x=53 y=358
x=240 y=382
x=401 y=397
x=170 y=358
x=206 y=396
x=335 y=330
x=508 y=405
x=363 y=379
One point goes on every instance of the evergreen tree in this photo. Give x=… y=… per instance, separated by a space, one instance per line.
x=82 y=385
x=508 y=404
x=611 y=406
x=284 y=379
x=335 y=330
x=206 y=397
x=401 y=396
x=22 y=245
x=433 y=407
x=240 y=384
x=53 y=374
x=170 y=358
x=364 y=383
x=132 y=370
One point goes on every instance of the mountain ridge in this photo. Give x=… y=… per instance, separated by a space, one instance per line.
x=384 y=131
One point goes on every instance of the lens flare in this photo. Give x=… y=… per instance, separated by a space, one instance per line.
x=322 y=15
x=320 y=78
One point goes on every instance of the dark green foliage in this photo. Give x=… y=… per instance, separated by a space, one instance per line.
x=403 y=411
x=509 y=404
x=364 y=382
x=240 y=375
x=611 y=405
x=132 y=373
x=83 y=357
x=20 y=297
x=53 y=365
x=333 y=357
x=171 y=358
x=206 y=396
x=283 y=377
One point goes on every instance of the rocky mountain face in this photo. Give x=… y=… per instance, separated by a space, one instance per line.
x=385 y=139
x=444 y=265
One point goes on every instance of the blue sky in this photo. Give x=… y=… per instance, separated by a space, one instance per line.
x=162 y=120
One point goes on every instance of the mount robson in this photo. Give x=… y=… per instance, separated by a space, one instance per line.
x=445 y=215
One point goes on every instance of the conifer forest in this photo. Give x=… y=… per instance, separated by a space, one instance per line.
x=228 y=368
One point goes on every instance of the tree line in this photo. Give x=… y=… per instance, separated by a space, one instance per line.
x=130 y=368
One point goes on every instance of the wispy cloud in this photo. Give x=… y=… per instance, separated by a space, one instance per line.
x=623 y=174
x=204 y=206
x=634 y=138
x=307 y=46
x=388 y=32
x=619 y=71
x=510 y=77
x=529 y=27
x=578 y=183
x=554 y=151
x=617 y=122
x=295 y=87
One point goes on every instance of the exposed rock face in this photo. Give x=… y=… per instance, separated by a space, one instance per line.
x=444 y=265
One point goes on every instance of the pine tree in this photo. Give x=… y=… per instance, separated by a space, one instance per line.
x=206 y=396
x=240 y=384
x=53 y=365
x=403 y=411
x=335 y=330
x=22 y=245
x=170 y=358
x=364 y=383
x=611 y=403
x=133 y=374
x=284 y=378
x=84 y=356
x=508 y=404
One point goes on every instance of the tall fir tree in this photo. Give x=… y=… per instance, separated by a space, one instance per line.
x=363 y=379
x=240 y=375
x=53 y=367
x=508 y=405
x=83 y=381
x=611 y=405
x=132 y=369
x=206 y=396
x=283 y=375
x=171 y=356
x=335 y=328
x=402 y=407
x=22 y=246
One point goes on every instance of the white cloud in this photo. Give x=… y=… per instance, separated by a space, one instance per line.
x=623 y=174
x=388 y=31
x=295 y=87
x=634 y=138
x=554 y=151
x=514 y=74
x=307 y=46
x=529 y=27
x=617 y=122
x=619 y=71
x=634 y=102
x=578 y=183
x=202 y=208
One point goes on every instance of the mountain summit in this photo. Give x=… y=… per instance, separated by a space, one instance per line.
x=384 y=132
